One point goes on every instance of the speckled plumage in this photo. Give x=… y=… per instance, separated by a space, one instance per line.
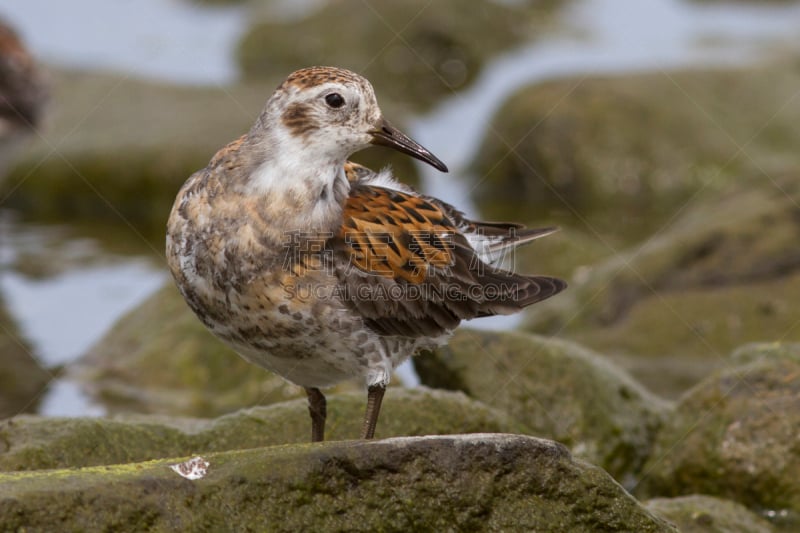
x=319 y=269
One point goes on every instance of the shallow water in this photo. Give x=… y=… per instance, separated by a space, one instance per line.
x=65 y=291
x=168 y=40
x=65 y=311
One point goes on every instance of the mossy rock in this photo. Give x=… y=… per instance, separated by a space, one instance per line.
x=735 y=435
x=36 y=443
x=159 y=358
x=706 y=514
x=414 y=52
x=725 y=273
x=678 y=194
x=22 y=377
x=119 y=149
x=557 y=389
x=467 y=482
x=623 y=153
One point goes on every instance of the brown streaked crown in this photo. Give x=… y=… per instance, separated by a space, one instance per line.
x=313 y=76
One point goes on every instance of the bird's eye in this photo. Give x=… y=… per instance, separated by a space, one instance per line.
x=334 y=100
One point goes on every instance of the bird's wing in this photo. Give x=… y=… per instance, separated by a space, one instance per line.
x=491 y=240
x=408 y=270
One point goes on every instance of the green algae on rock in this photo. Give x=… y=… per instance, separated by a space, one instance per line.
x=35 y=443
x=705 y=514
x=466 y=482
x=735 y=435
x=559 y=390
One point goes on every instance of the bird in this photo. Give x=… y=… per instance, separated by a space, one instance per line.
x=321 y=270
x=24 y=94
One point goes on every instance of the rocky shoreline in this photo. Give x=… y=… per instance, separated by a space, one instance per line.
x=661 y=392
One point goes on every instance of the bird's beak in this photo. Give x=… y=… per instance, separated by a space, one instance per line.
x=387 y=135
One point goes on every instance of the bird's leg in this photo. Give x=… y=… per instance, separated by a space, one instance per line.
x=374 y=398
x=317 y=408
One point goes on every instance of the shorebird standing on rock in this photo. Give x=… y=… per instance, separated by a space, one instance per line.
x=319 y=269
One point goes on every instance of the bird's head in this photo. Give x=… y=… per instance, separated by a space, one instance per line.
x=334 y=113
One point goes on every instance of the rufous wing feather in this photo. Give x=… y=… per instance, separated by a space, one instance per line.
x=409 y=270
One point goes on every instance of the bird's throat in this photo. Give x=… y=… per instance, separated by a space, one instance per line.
x=298 y=197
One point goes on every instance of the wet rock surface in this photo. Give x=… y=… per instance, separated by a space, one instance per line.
x=480 y=481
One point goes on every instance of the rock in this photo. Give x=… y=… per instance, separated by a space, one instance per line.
x=726 y=272
x=467 y=482
x=735 y=435
x=679 y=208
x=22 y=376
x=159 y=358
x=557 y=389
x=705 y=514
x=418 y=52
x=623 y=153
x=36 y=443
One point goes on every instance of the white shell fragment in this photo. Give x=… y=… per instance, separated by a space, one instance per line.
x=194 y=468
